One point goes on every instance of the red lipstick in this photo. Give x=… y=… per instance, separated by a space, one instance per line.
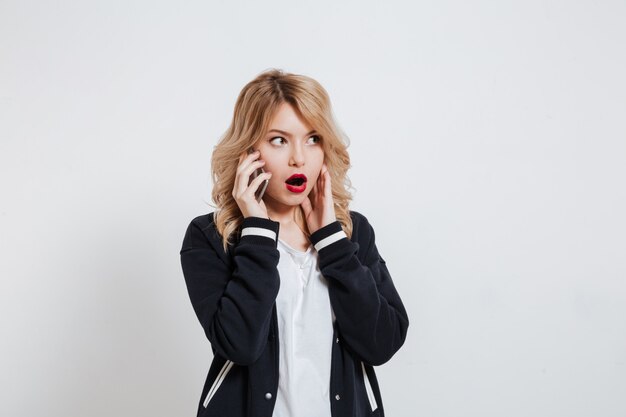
x=296 y=183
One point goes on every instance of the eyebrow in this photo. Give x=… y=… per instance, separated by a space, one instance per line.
x=287 y=133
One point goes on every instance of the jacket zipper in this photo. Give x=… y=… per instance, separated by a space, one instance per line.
x=218 y=381
x=368 y=389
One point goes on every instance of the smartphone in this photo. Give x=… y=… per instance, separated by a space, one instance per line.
x=258 y=194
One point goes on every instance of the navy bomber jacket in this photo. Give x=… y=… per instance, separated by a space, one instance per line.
x=233 y=294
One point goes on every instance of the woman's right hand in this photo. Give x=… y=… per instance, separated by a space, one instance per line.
x=244 y=193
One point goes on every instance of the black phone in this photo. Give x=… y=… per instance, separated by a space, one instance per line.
x=258 y=194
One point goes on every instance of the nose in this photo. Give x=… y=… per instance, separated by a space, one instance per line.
x=296 y=159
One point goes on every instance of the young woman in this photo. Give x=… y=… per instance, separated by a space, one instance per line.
x=290 y=288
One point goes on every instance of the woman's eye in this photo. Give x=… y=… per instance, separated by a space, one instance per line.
x=277 y=141
x=314 y=139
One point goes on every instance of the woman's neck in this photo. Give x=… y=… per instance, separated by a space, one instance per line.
x=292 y=228
x=285 y=215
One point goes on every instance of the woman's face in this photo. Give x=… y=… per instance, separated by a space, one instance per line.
x=293 y=153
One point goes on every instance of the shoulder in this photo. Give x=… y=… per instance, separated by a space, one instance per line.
x=358 y=218
x=202 y=230
x=362 y=230
x=363 y=235
x=204 y=221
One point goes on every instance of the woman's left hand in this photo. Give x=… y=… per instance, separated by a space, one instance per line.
x=319 y=207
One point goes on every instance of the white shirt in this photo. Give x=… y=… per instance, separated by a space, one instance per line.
x=305 y=332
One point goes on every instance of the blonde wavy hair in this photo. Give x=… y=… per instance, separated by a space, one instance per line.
x=256 y=105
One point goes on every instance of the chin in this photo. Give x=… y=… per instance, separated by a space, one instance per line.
x=288 y=200
x=295 y=200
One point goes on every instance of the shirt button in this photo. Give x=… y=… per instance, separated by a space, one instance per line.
x=268 y=396
x=337 y=397
x=337 y=341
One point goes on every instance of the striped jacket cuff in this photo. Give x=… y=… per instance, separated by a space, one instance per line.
x=327 y=235
x=259 y=230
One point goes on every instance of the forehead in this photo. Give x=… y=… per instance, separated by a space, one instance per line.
x=288 y=120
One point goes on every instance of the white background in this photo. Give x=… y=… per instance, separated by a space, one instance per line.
x=488 y=151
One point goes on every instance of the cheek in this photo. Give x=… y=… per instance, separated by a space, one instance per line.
x=316 y=168
x=318 y=159
x=312 y=179
x=272 y=163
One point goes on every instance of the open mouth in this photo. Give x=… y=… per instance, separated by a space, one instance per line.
x=297 y=180
x=296 y=183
